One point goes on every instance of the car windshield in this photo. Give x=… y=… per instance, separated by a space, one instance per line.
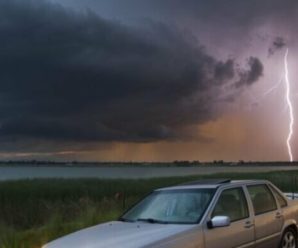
x=183 y=206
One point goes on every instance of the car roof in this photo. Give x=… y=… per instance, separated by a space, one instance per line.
x=211 y=184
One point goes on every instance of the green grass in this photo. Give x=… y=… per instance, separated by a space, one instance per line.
x=33 y=212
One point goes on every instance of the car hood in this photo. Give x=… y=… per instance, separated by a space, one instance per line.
x=119 y=234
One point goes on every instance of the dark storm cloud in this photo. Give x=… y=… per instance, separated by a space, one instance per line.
x=278 y=44
x=224 y=71
x=235 y=12
x=76 y=77
x=227 y=11
x=250 y=76
x=233 y=22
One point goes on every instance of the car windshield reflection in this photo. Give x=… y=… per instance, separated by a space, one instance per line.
x=183 y=206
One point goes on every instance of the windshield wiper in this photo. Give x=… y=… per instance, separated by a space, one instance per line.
x=125 y=220
x=151 y=220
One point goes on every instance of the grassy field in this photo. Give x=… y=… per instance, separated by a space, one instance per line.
x=33 y=212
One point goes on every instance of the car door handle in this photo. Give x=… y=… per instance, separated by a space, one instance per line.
x=248 y=224
x=278 y=215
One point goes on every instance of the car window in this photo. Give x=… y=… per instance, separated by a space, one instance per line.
x=281 y=200
x=232 y=203
x=181 y=206
x=262 y=198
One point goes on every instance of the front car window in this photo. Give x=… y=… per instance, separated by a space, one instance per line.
x=181 y=206
x=262 y=198
x=232 y=203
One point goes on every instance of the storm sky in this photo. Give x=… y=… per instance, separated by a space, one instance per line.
x=146 y=80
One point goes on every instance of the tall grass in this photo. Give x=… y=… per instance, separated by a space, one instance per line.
x=33 y=212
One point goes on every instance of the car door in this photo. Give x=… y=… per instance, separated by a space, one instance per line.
x=268 y=218
x=232 y=202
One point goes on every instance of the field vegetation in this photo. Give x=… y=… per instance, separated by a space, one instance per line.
x=33 y=212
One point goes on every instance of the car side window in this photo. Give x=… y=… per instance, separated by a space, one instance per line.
x=281 y=200
x=232 y=203
x=262 y=199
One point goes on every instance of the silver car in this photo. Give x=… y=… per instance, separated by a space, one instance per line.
x=202 y=214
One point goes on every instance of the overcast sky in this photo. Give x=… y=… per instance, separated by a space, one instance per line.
x=146 y=80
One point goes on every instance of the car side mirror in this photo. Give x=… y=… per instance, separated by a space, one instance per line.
x=219 y=221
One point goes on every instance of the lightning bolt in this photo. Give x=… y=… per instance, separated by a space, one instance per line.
x=255 y=100
x=273 y=88
x=290 y=106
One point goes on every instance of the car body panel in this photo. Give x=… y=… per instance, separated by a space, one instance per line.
x=268 y=229
x=191 y=238
x=235 y=235
x=118 y=234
